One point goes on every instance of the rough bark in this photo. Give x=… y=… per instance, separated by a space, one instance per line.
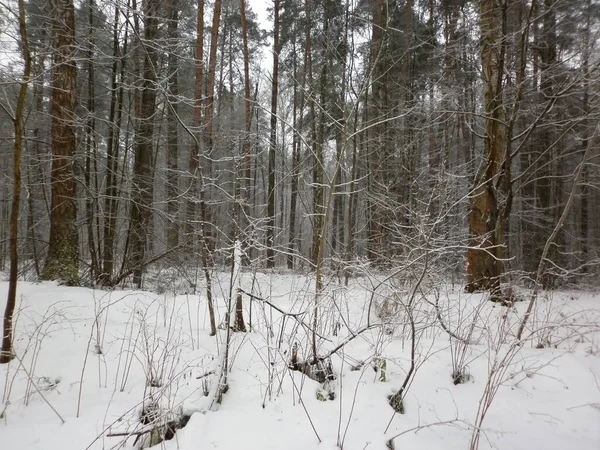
x=142 y=185
x=378 y=112
x=483 y=264
x=62 y=262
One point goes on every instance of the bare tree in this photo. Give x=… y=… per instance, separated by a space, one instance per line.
x=6 y=353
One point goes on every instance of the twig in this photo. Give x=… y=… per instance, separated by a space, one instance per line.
x=441 y=320
x=254 y=297
x=304 y=406
x=347 y=340
x=552 y=237
x=295 y=316
x=144 y=264
x=38 y=389
x=130 y=433
x=390 y=441
x=205 y=375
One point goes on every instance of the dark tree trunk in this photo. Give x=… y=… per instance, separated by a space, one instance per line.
x=378 y=111
x=297 y=125
x=91 y=158
x=273 y=140
x=196 y=148
x=172 y=134
x=141 y=212
x=112 y=155
x=6 y=353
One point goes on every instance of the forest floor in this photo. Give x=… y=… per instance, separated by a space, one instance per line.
x=97 y=369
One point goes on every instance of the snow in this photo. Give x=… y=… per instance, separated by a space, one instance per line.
x=96 y=352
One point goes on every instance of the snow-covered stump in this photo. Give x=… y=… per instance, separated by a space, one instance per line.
x=320 y=371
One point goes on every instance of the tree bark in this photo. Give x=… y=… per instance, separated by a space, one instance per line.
x=483 y=264
x=172 y=125
x=273 y=140
x=247 y=145
x=91 y=157
x=298 y=109
x=141 y=212
x=378 y=111
x=62 y=261
x=111 y=202
x=6 y=354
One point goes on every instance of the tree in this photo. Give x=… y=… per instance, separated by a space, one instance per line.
x=109 y=231
x=396 y=111
x=6 y=353
x=379 y=162
x=246 y=165
x=62 y=261
x=273 y=139
x=484 y=255
x=142 y=184
x=172 y=126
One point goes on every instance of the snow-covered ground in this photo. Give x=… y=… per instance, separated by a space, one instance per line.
x=89 y=362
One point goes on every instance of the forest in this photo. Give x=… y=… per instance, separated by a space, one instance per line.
x=405 y=146
x=356 y=133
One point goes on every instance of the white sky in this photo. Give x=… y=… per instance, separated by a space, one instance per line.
x=260 y=8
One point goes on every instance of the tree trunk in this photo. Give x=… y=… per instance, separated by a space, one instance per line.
x=247 y=145
x=338 y=111
x=378 y=111
x=351 y=231
x=91 y=180
x=6 y=354
x=196 y=148
x=62 y=261
x=206 y=213
x=206 y=142
x=112 y=154
x=241 y=210
x=172 y=125
x=295 y=174
x=587 y=126
x=273 y=140
x=483 y=265
x=141 y=212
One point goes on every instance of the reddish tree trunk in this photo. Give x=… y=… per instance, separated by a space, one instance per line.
x=63 y=252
